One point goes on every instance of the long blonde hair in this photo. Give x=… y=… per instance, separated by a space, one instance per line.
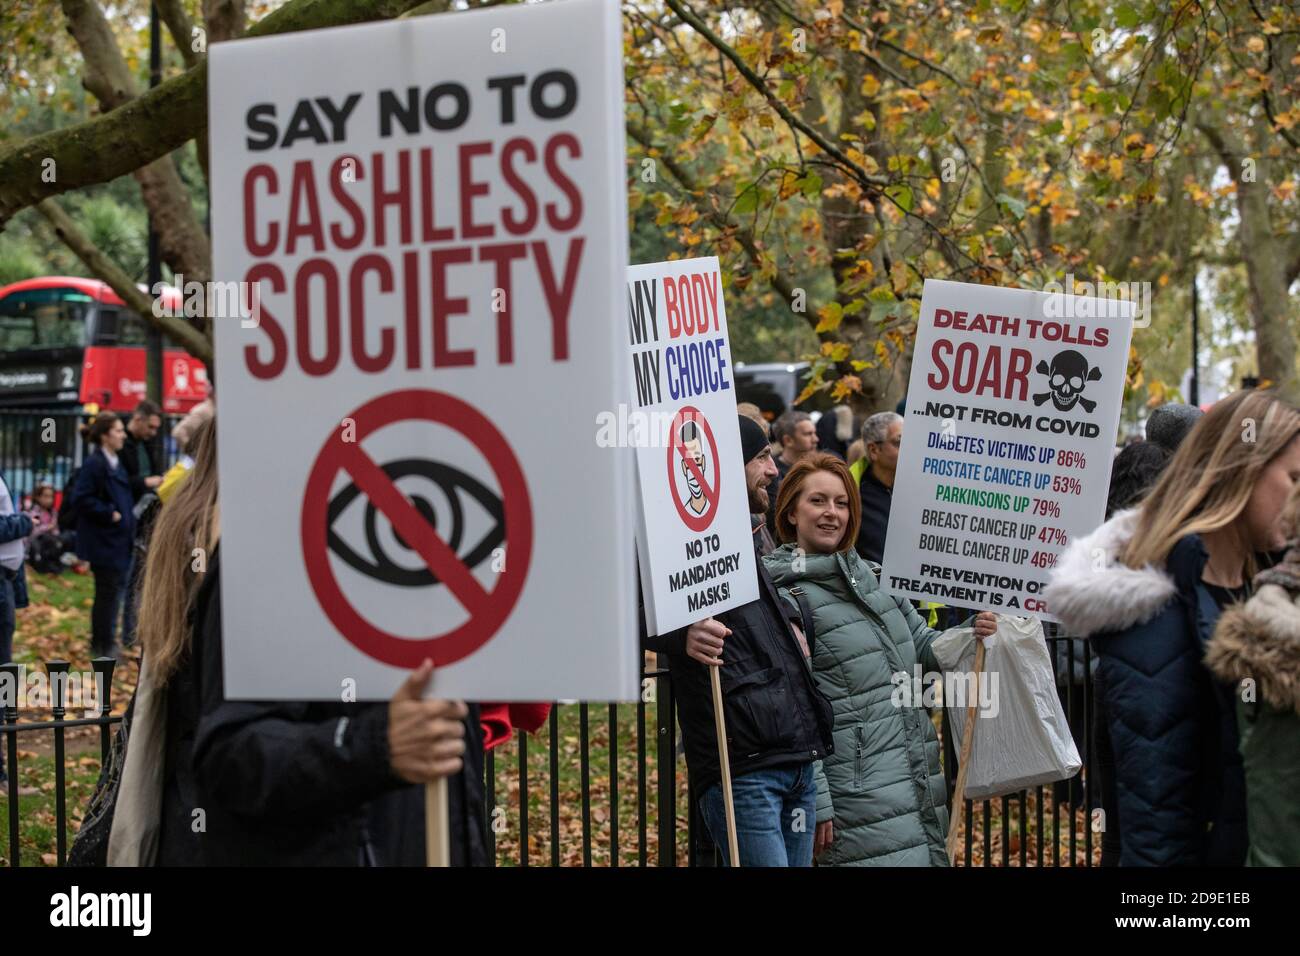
x=1208 y=482
x=175 y=568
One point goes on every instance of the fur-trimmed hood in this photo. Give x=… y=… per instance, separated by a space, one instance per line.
x=1261 y=640
x=1092 y=592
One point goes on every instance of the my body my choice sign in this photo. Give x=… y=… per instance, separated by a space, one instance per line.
x=696 y=547
x=433 y=212
x=1012 y=411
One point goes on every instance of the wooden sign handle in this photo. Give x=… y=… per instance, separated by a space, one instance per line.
x=967 y=739
x=720 y=724
x=437 y=824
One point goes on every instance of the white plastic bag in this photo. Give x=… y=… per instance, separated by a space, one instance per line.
x=1022 y=738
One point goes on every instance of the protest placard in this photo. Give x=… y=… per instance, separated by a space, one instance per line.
x=1012 y=413
x=695 y=547
x=432 y=213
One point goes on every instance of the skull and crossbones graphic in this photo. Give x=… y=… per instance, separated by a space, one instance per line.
x=1066 y=379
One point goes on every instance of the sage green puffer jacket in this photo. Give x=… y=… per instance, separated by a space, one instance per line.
x=883 y=785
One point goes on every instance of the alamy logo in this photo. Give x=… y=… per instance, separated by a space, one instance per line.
x=133 y=910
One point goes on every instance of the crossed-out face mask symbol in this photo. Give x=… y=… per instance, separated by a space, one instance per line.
x=690 y=436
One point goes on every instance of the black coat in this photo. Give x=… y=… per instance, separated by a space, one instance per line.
x=295 y=782
x=876 y=499
x=1180 y=784
x=775 y=715
x=130 y=456
x=99 y=491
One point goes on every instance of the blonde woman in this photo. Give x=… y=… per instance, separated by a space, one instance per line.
x=1148 y=587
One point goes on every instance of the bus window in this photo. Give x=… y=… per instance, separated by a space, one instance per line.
x=43 y=319
x=116 y=326
x=131 y=329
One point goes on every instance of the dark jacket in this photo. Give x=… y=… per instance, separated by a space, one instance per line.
x=876 y=499
x=133 y=450
x=1179 y=779
x=775 y=715
x=100 y=490
x=294 y=783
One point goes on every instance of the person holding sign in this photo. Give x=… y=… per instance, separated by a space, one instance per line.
x=211 y=781
x=778 y=724
x=881 y=797
x=1148 y=587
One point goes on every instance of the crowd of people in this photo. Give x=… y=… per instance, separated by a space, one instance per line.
x=1188 y=595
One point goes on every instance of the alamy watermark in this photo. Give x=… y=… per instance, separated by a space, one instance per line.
x=1073 y=299
x=212 y=300
x=958 y=689
x=80 y=690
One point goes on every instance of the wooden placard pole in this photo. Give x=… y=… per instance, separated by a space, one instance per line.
x=967 y=739
x=437 y=823
x=720 y=724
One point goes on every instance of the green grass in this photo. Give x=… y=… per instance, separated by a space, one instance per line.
x=37 y=817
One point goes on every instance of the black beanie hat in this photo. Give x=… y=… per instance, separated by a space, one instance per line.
x=753 y=438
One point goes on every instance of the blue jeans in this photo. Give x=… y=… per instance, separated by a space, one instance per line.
x=776 y=816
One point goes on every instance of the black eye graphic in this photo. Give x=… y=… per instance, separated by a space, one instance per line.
x=451 y=481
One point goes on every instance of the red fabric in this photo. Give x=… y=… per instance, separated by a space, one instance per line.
x=500 y=720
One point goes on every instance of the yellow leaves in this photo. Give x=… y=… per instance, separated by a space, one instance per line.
x=830 y=318
x=1283 y=191
x=932 y=188
x=686 y=215
x=870 y=86
x=835 y=351
x=862 y=159
x=1115 y=166
x=1256 y=44
x=899 y=276
x=1200 y=197
x=1288 y=118
x=847 y=385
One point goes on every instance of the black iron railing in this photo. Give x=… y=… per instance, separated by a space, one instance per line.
x=1058 y=826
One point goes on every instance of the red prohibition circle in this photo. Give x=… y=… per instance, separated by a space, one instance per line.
x=488 y=609
x=675 y=448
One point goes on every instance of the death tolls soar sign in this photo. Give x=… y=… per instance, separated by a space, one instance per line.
x=434 y=214
x=1012 y=411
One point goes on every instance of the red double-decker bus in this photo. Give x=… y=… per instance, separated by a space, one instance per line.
x=67 y=342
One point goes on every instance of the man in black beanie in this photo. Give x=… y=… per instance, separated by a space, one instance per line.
x=778 y=723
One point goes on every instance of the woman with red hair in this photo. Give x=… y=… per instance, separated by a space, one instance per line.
x=881 y=795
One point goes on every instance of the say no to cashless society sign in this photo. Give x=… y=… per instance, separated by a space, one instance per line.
x=433 y=212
